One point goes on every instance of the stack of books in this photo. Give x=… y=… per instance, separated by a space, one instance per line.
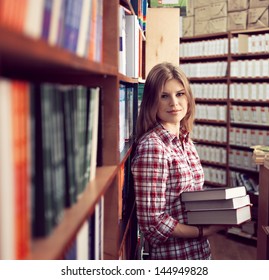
x=221 y=206
x=261 y=154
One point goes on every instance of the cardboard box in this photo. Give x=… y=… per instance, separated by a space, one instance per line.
x=218 y=25
x=218 y=10
x=188 y=26
x=237 y=5
x=258 y=3
x=201 y=27
x=190 y=8
x=257 y=18
x=201 y=3
x=202 y=13
x=237 y=20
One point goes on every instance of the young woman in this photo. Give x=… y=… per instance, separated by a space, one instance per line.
x=165 y=164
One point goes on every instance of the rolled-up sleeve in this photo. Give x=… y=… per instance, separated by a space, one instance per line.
x=150 y=173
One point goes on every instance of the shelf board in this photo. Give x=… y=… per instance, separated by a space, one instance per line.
x=213 y=122
x=211 y=101
x=205 y=37
x=208 y=142
x=208 y=79
x=54 y=246
x=250 y=102
x=238 y=168
x=28 y=58
x=250 y=31
x=203 y=58
x=249 y=125
x=126 y=152
x=211 y=163
x=249 y=79
x=124 y=78
x=249 y=55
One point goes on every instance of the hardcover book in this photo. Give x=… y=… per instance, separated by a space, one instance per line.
x=219 y=217
x=214 y=193
x=231 y=203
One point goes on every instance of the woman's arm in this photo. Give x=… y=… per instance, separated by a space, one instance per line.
x=188 y=231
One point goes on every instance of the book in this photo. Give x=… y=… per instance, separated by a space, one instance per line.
x=7 y=189
x=132 y=46
x=85 y=21
x=82 y=242
x=214 y=193
x=231 y=203
x=55 y=22
x=219 y=217
x=34 y=18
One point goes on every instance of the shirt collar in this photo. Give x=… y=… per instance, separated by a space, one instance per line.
x=167 y=137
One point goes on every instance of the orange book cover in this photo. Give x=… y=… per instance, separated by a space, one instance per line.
x=12 y=14
x=20 y=113
x=92 y=40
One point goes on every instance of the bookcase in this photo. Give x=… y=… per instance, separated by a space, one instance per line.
x=32 y=58
x=241 y=90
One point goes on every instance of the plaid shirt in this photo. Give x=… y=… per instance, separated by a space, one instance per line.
x=163 y=167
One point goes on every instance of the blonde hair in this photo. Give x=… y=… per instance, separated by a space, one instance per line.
x=155 y=81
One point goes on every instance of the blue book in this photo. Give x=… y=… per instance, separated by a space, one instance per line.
x=46 y=19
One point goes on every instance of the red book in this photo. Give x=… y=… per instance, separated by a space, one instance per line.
x=12 y=14
x=20 y=115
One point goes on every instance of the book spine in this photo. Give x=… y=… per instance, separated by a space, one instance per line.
x=47 y=12
x=7 y=190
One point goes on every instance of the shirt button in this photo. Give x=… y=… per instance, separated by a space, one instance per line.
x=152 y=229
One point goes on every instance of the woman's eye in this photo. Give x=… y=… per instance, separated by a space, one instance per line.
x=180 y=93
x=164 y=96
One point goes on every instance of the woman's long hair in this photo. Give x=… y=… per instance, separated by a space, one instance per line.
x=155 y=81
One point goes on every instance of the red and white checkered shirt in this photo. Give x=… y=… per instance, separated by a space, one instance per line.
x=163 y=167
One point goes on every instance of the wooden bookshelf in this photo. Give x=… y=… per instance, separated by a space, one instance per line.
x=35 y=60
x=52 y=247
x=233 y=147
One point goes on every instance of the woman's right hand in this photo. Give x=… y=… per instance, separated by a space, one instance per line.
x=212 y=229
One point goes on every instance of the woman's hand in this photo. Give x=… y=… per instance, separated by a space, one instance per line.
x=212 y=229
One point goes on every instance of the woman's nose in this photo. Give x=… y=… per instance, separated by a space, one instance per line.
x=173 y=101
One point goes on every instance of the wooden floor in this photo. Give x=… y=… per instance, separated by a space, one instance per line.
x=229 y=247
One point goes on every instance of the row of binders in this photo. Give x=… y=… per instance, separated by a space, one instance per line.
x=226 y=206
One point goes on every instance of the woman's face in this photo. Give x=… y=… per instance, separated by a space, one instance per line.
x=173 y=103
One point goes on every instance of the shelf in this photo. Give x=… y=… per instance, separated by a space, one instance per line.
x=246 y=148
x=257 y=55
x=250 y=102
x=29 y=58
x=206 y=142
x=240 y=233
x=250 y=125
x=211 y=101
x=250 y=31
x=126 y=151
x=238 y=168
x=53 y=246
x=208 y=79
x=127 y=79
x=213 y=184
x=211 y=163
x=204 y=37
x=200 y=121
x=203 y=58
x=249 y=79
